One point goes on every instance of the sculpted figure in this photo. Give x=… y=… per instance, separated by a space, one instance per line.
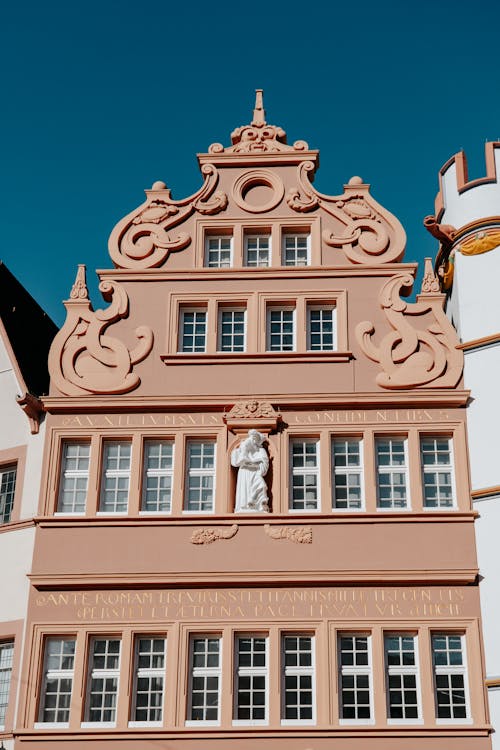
x=252 y=462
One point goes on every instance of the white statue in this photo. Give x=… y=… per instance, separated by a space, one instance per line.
x=252 y=461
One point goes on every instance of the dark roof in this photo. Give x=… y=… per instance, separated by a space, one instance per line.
x=30 y=331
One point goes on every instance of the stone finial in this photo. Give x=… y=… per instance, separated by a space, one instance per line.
x=259 y=113
x=79 y=289
x=430 y=282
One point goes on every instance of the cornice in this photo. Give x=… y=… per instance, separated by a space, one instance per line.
x=466 y=346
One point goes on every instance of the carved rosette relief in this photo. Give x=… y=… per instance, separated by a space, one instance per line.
x=145 y=237
x=297 y=534
x=421 y=348
x=83 y=359
x=208 y=536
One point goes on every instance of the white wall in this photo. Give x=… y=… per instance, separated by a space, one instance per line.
x=474 y=305
x=482 y=377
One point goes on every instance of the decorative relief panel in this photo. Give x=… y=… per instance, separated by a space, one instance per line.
x=246 y=414
x=207 y=536
x=297 y=534
x=82 y=358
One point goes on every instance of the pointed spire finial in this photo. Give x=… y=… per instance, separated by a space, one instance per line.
x=259 y=113
x=79 y=289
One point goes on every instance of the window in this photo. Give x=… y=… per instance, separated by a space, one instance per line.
x=391 y=473
x=74 y=477
x=347 y=474
x=449 y=676
x=435 y=453
x=257 y=251
x=321 y=329
x=298 y=679
x=231 y=330
x=218 y=252
x=103 y=681
x=401 y=673
x=200 y=481
x=355 y=677
x=280 y=329
x=158 y=473
x=7 y=489
x=6 y=656
x=295 y=250
x=193 y=336
x=251 y=680
x=305 y=475
x=115 y=477
x=205 y=680
x=58 y=680
x=149 y=680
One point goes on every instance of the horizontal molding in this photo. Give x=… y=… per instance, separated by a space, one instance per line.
x=484 y=492
x=492 y=682
x=493 y=338
x=249 y=358
x=16 y=525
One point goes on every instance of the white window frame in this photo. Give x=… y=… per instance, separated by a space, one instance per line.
x=246 y=671
x=236 y=309
x=449 y=670
x=322 y=308
x=7 y=494
x=257 y=250
x=281 y=308
x=73 y=474
x=157 y=473
x=114 y=474
x=346 y=471
x=104 y=674
x=296 y=235
x=5 y=677
x=356 y=671
x=219 y=237
x=148 y=672
x=303 y=472
x=55 y=674
x=204 y=672
x=393 y=469
x=201 y=472
x=402 y=670
x=439 y=469
x=298 y=671
x=180 y=344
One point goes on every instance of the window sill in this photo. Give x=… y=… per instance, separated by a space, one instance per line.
x=202 y=724
x=98 y=725
x=144 y=724
x=255 y=723
x=219 y=358
x=50 y=725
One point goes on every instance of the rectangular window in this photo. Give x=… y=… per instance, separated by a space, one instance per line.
x=401 y=675
x=115 y=477
x=251 y=680
x=6 y=657
x=304 y=461
x=158 y=474
x=449 y=676
x=295 y=250
x=193 y=333
x=200 y=479
x=59 y=666
x=103 y=680
x=437 y=472
x=298 y=703
x=392 y=473
x=8 y=476
x=205 y=685
x=321 y=334
x=149 y=680
x=218 y=252
x=231 y=330
x=280 y=329
x=355 y=677
x=74 y=477
x=257 y=251
x=347 y=474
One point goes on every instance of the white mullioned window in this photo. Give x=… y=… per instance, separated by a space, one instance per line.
x=251 y=694
x=74 y=477
x=392 y=472
x=437 y=471
x=219 y=252
x=232 y=333
x=347 y=464
x=401 y=664
x=193 y=331
x=298 y=689
x=200 y=476
x=355 y=678
x=158 y=476
x=295 y=249
x=115 y=477
x=450 y=678
x=104 y=672
x=280 y=329
x=8 y=475
x=149 y=681
x=321 y=328
x=205 y=680
x=59 y=667
x=6 y=658
x=305 y=474
x=257 y=250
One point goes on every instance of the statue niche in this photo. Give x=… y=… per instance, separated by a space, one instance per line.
x=252 y=462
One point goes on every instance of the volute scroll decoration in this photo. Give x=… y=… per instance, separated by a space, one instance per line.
x=83 y=359
x=411 y=355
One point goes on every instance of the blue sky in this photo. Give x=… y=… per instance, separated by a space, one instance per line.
x=100 y=99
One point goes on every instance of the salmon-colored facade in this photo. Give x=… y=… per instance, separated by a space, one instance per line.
x=167 y=605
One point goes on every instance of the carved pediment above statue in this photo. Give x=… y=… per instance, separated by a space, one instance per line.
x=246 y=414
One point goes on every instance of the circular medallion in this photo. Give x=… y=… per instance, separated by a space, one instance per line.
x=258 y=191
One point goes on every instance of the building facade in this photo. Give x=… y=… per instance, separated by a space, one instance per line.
x=467 y=223
x=255 y=522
